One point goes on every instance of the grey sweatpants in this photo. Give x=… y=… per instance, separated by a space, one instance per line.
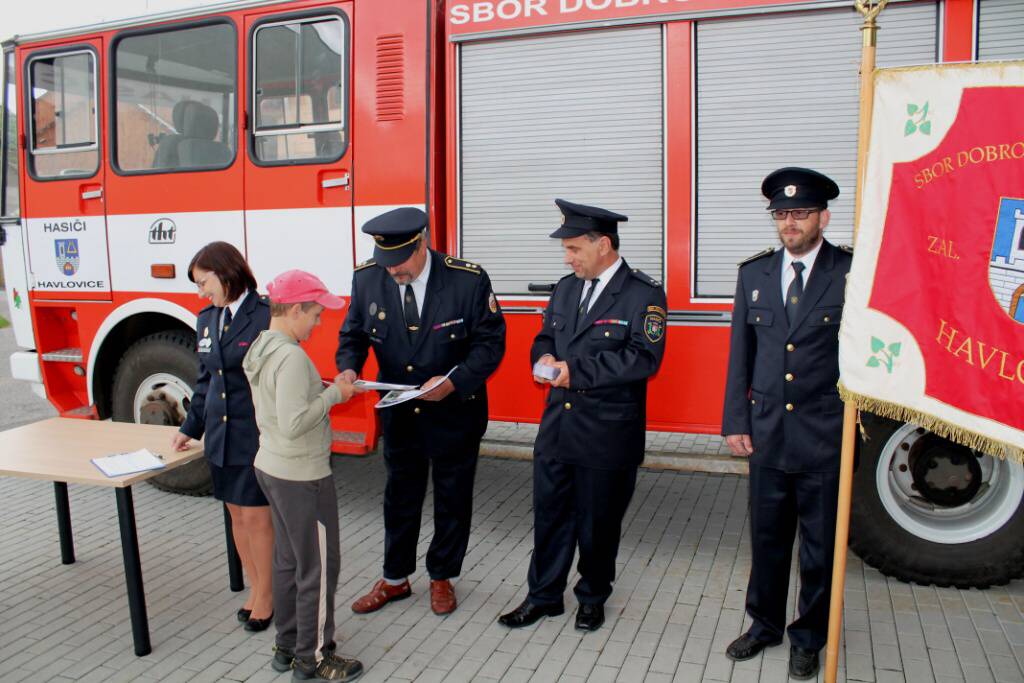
x=307 y=559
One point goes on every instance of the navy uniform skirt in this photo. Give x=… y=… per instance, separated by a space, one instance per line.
x=236 y=484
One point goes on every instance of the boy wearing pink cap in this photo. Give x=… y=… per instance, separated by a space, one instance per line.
x=293 y=469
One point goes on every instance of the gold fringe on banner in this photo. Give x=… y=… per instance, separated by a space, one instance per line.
x=894 y=411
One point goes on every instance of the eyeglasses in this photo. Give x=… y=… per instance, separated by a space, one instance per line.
x=797 y=214
x=201 y=283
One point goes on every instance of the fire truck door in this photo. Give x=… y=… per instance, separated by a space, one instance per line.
x=64 y=208
x=298 y=176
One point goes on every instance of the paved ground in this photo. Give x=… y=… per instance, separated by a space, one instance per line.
x=678 y=600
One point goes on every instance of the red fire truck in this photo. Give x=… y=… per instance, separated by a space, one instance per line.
x=282 y=127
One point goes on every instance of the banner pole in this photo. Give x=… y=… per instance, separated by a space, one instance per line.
x=869 y=9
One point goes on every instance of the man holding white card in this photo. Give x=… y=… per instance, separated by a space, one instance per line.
x=602 y=338
x=433 y=322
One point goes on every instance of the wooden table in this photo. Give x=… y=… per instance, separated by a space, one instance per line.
x=60 y=449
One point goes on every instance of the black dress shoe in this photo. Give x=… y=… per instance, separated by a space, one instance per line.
x=528 y=613
x=803 y=663
x=243 y=614
x=747 y=646
x=589 y=617
x=257 y=625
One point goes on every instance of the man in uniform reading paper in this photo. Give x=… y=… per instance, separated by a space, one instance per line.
x=423 y=313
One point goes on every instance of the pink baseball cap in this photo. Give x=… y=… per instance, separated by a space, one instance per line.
x=299 y=287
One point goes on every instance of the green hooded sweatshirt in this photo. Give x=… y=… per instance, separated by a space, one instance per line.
x=292 y=409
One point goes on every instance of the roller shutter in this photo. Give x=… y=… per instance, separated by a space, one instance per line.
x=575 y=115
x=782 y=90
x=1001 y=29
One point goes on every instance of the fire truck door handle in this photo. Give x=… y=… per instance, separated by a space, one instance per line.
x=92 y=194
x=335 y=182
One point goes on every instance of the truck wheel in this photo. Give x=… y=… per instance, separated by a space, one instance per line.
x=153 y=385
x=928 y=510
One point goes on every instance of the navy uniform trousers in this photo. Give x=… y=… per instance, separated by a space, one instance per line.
x=461 y=326
x=781 y=389
x=592 y=434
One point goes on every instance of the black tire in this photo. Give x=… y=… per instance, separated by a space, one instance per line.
x=882 y=542
x=172 y=353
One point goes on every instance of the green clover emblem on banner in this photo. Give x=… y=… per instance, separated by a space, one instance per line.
x=922 y=123
x=882 y=355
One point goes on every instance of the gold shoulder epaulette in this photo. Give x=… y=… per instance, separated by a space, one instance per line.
x=459 y=264
x=848 y=248
x=761 y=254
x=366 y=264
x=644 y=277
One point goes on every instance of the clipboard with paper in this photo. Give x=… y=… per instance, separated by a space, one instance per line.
x=393 y=398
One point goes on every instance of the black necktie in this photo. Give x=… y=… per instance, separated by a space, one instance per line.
x=227 y=320
x=412 y=315
x=795 y=292
x=585 y=304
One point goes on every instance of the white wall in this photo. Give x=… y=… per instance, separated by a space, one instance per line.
x=20 y=18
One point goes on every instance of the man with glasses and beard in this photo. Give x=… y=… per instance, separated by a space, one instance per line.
x=783 y=412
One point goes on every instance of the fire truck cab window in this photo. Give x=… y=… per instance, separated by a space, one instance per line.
x=176 y=96
x=9 y=137
x=64 y=132
x=299 y=91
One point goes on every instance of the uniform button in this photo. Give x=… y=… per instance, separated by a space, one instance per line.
x=789 y=376
x=374 y=330
x=790 y=347
x=789 y=407
x=220 y=372
x=452 y=336
x=753 y=402
x=827 y=319
x=472 y=397
x=223 y=395
x=757 y=319
x=568 y=406
x=416 y=410
x=408 y=368
x=225 y=418
x=607 y=334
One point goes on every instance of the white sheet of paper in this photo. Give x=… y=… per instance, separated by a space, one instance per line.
x=393 y=398
x=120 y=464
x=382 y=386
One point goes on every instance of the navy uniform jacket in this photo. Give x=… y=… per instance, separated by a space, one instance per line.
x=781 y=383
x=222 y=402
x=600 y=420
x=461 y=326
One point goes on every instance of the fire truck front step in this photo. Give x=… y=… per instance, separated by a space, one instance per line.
x=658 y=460
x=68 y=355
x=81 y=413
x=349 y=443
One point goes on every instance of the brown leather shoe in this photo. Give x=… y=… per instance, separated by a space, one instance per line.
x=381 y=594
x=442 y=597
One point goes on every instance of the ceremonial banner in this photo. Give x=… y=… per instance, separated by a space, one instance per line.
x=933 y=328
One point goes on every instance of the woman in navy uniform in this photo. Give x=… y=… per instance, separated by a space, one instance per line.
x=602 y=337
x=222 y=409
x=783 y=411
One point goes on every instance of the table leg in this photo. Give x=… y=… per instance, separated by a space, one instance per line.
x=133 y=571
x=67 y=542
x=234 y=561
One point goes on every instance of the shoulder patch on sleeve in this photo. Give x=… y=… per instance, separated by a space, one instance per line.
x=365 y=264
x=761 y=254
x=644 y=277
x=459 y=264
